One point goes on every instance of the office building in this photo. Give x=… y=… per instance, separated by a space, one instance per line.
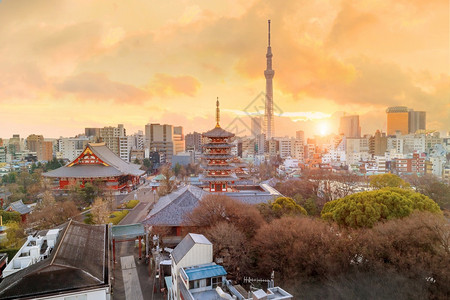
x=349 y=126
x=416 y=121
x=397 y=120
x=167 y=139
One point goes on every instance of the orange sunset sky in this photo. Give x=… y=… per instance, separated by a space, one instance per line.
x=70 y=64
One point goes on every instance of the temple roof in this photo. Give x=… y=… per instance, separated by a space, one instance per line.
x=170 y=209
x=112 y=165
x=79 y=261
x=218 y=132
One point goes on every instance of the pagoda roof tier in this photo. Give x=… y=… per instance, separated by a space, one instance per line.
x=217 y=145
x=96 y=161
x=217 y=156
x=218 y=167
x=220 y=179
x=218 y=132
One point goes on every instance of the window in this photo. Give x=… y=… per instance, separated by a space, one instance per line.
x=216 y=281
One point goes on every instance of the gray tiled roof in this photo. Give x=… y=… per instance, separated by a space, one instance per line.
x=218 y=132
x=170 y=209
x=117 y=166
x=78 y=261
x=19 y=207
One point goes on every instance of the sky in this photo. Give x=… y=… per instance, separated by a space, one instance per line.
x=70 y=64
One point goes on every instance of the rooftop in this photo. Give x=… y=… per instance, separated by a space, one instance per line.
x=79 y=261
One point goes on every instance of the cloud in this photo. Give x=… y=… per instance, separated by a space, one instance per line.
x=167 y=85
x=95 y=86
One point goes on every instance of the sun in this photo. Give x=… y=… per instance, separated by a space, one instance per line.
x=324 y=128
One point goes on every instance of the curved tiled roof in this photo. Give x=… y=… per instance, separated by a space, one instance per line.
x=170 y=209
x=218 y=132
x=116 y=166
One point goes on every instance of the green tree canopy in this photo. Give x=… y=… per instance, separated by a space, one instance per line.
x=367 y=208
x=387 y=180
x=282 y=206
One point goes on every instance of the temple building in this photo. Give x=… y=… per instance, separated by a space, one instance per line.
x=98 y=163
x=219 y=174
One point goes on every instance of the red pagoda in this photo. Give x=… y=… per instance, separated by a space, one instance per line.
x=216 y=154
x=98 y=163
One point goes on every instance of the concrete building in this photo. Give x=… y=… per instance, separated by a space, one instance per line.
x=71 y=148
x=94 y=132
x=349 y=126
x=397 y=120
x=416 y=121
x=165 y=138
x=300 y=135
x=378 y=144
x=260 y=144
x=297 y=149
x=110 y=136
x=193 y=141
x=183 y=158
x=194 y=275
x=3 y=152
x=285 y=149
x=33 y=142
x=256 y=126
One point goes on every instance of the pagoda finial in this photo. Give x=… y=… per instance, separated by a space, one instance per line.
x=269 y=32
x=217 y=113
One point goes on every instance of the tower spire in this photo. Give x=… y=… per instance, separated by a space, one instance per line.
x=217 y=113
x=269 y=73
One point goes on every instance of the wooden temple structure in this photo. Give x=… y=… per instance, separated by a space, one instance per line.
x=219 y=175
x=98 y=163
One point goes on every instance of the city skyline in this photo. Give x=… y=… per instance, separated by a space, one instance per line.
x=63 y=69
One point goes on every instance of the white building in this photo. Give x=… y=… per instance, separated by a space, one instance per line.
x=71 y=148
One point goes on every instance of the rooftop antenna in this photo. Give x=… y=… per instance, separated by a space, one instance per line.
x=269 y=31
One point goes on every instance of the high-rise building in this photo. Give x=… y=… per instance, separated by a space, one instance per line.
x=260 y=143
x=256 y=126
x=14 y=144
x=300 y=135
x=349 y=126
x=378 y=144
x=397 y=120
x=71 y=148
x=193 y=141
x=416 y=120
x=165 y=138
x=269 y=126
x=92 y=132
x=110 y=136
x=33 y=142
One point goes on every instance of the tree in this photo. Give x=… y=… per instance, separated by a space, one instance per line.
x=296 y=247
x=367 y=208
x=14 y=235
x=137 y=161
x=387 y=180
x=100 y=211
x=50 y=213
x=176 y=169
x=147 y=163
x=282 y=206
x=431 y=186
x=214 y=209
x=231 y=245
x=167 y=185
